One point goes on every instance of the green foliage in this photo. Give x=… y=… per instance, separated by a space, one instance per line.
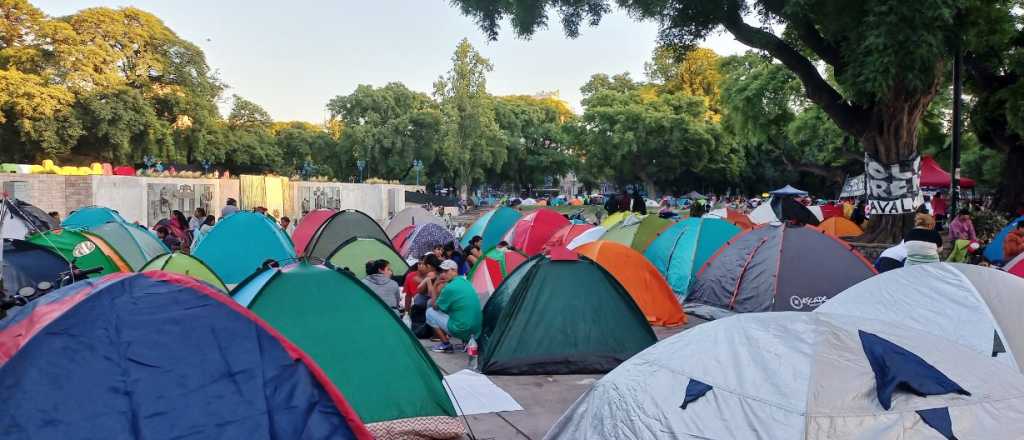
x=121 y=127
x=534 y=135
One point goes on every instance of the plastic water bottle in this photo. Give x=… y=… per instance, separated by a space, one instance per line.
x=472 y=351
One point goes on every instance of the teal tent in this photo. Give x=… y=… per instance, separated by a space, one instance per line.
x=680 y=251
x=134 y=243
x=90 y=216
x=239 y=244
x=492 y=227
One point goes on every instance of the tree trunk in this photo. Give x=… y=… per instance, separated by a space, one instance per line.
x=1012 y=196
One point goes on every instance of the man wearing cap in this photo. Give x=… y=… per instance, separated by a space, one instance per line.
x=455 y=310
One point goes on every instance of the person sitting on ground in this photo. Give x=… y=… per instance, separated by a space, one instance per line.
x=455 y=310
x=168 y=239
x=230 y=207
x=203 y=230
x=1013 y=244
x=378 y=279
x=439 y=251
x=962 y=228
x=197 y=219
x=922 y=242
x=427 y=275
x=476 y=240
x=451 y=253
x=473 y=255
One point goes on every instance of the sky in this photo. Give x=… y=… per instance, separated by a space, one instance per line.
x=292 y=57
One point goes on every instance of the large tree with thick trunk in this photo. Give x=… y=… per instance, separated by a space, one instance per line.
x=887 y=58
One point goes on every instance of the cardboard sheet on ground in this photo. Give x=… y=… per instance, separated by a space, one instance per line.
x=476 y=394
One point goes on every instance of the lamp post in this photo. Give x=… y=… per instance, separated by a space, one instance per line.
x=307 y=169
x=417 y=165
x=361 y=164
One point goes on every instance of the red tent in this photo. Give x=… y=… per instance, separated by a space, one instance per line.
x=933 y=176
x=308 y=225
x=565 y=235
x=532 y=231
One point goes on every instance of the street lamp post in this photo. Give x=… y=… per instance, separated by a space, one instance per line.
x=417 y=165
x=361 y=164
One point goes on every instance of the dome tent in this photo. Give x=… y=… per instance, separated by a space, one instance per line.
x=398 y=241
x=424 y=238
x=641 y=279
x=85 y=250
x=566 y=235
x=491 y=227
x=340 y=227
x=588 y=236
x=239 y=244
x=90 y=216
x=532 y=231
x=411 y=216
x=134 y=243
x=25 y=264
x=964 y=303
x=1016 y=266
x=492 y=268
x=840 y=227
x=183 y=264
x=994 y=251
x=385 y=377
x=19 y=219
x=525 y=330
x=307 y=226
x=775 y=267
x=814 y=376
x=236 y=377
x=637 y=232
x=683 y=249
x=732 y=216
x=354 y=253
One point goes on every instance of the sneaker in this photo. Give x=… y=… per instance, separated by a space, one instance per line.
x=442 y=348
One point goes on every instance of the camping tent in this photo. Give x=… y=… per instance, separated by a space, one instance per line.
x=933 y=176
x=525 y=330
x=994 y=250
x=534 y=229
x=637 y=232
x=184 y=264
x=89 y=216
x=763 y=214
x=648 y=288
x=964 y=303
x=775 y=268
x=812 y=376
x=20 y=219
x=788 y=209
x=398 y=241
x=25 y=264
x=788 y=190
x=615 y=219
x=240 y=243
x=85 y=250
x=492 y=227
x=158 y=355
x=694 y=195
x=840 y=227
x=413 y=215
x=732 y=216
x=340 y=227
x=134 y=243
x=1016 y=266
x=354 y=253
x=566 y=235
x=492 y=268
x=385 y=377
x=590 y=235
x=680 y=251
x=308 y=225
x=424 y=238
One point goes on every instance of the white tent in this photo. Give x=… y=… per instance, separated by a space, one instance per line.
x=971 y=305
x=529 y=202
x=413 y=215
x=592 y=234
x=816 y=210
x=763 y=214
x=808 y=376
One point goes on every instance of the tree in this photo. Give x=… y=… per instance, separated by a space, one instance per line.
x=532 y=132
x=469 y=131
x=883 y=85
x=693 y=73
x=120 y=126
x=301 y=141
x=248 y=138
x=388 y=127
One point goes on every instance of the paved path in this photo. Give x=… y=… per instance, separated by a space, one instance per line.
x=543 y=398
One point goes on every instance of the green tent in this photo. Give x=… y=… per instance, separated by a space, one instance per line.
x=491 y=227
x=85 y=250
x=561 y=314
x=362 y=346
x=187 y=265
x=340 y=227
x=133 y=242
x=637 y=232
x=354 y=253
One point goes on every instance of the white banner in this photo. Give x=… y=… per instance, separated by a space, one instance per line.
x=893 y=188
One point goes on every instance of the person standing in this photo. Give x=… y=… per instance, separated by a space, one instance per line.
x=639 y=204
x=455 y=310
x=230 y=207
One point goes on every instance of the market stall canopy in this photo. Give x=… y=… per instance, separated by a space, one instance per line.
x=933 y=176
x=788 y=190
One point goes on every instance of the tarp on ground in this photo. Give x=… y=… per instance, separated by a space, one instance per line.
x=25 y=264
x=413 y=215
x=21 y=219
x=340 y=227
x=525 y=330
x=964 y=303
x=136 y=244
x=85 y=250
x=239 y=244
x=89 y=216
x=308 y=225
x=777 y=268
x=530 y=232
x=812 y=376
x=680 y=251
x=994 y=251
x=840 y=227
x=933 y=176
x=159 y=355
x=356 y=252
x=385 y=373
x=648 y=288
x=184 y=264
x=424 y=238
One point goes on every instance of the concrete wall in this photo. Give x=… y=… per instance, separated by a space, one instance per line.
x=378 y=201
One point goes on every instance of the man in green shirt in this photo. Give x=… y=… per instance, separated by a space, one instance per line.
x=455 y=310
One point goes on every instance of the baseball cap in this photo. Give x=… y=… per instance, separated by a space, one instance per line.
x=449 y=265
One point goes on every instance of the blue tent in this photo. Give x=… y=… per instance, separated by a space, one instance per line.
x=788 y=190
x=91 y=216
x=159 y=355
x=680 y=251
x=239 y=245
x=994 y=250
x=492 y=227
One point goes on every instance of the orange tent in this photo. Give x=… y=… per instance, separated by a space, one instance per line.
x=648 y=288
x=840 y=227
x=738 y=218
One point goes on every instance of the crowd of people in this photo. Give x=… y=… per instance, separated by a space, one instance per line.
x=182 y=234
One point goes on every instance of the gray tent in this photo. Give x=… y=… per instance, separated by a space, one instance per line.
x=413 y=215
x=339 y=228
